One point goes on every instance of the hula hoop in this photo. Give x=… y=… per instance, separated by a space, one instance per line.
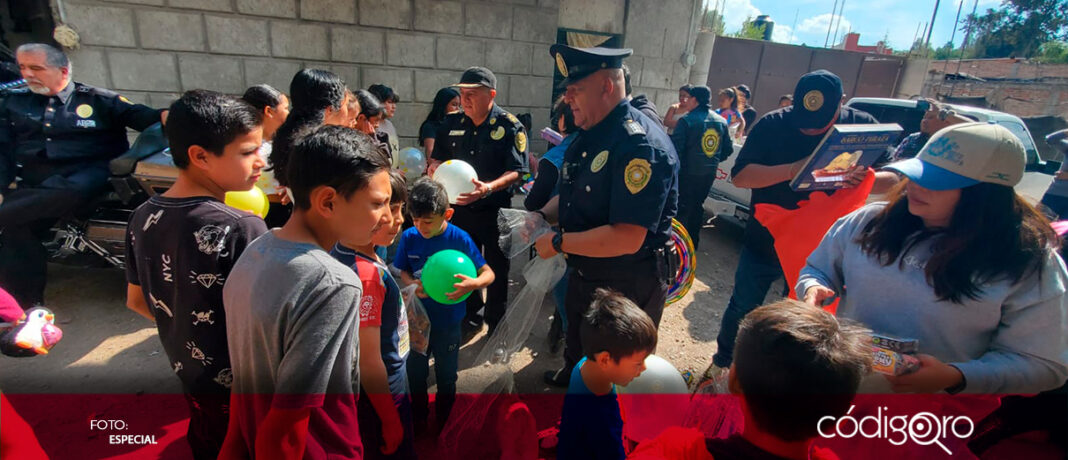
x=687 y=262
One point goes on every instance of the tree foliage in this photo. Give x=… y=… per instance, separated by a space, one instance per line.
x=750 y=30
x=1020 y=28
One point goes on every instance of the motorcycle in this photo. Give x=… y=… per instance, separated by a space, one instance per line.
x=145 y=170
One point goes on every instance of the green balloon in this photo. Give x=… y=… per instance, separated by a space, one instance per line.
x=439 y=274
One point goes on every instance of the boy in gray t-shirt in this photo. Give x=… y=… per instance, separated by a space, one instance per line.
x=292 y=309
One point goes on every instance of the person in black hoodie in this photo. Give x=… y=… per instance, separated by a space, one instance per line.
x=640 y=102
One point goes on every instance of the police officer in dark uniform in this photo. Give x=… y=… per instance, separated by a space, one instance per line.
x=56 y=138
x=702 y=140
x=494 y=142
x=618 y=194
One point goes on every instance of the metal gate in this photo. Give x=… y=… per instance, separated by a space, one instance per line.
x=772 y=69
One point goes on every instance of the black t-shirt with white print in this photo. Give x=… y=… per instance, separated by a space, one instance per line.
x=180 y=251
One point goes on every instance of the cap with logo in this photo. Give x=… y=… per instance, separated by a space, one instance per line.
x=966 y=154
x=474 y=77
x=816 y=99
x=578 y=63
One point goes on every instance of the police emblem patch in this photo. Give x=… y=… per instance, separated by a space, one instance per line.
x=560 y=65
x=636 y=175
x=599 y=161
x=813 y=100
x=710 y=142
x=84 y=110
x=497 y=134
x=520 y=141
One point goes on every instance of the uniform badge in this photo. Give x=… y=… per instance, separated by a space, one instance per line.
x=637 y=175
x=813 y=100
x=497 y=134
x=84 y=110
x=599 y=161
x=457 y=132
x=633 y=127
x=520 y=141
x=710 y=142
x=123 y=99
x=493 y=121
x=560 y=65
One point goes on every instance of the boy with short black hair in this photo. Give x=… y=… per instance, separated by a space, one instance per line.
x=293 y=309
x=428 y=205
x=617 y=336
x=781 y=400
x=181 y=246
x=385 y=409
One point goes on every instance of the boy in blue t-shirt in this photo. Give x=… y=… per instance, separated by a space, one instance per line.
x=617 y=336
x=428 y=205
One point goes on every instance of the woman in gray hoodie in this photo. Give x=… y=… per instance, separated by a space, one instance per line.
x=957 y=260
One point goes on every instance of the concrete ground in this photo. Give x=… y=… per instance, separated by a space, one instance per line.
x=108 y=349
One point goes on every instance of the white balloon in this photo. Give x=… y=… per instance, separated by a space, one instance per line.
x=456 y=176
x=653 y=401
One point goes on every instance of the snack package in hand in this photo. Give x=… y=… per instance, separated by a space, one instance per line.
x=894 y=356
x=418 y=321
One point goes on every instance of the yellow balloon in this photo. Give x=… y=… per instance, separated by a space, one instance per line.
x=253 y=200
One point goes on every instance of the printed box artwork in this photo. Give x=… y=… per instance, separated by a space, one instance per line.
x=842 y=148
x=894 y=356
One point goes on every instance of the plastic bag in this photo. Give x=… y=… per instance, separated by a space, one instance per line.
x=519 y=229
x=514 y=328
x=418 y=320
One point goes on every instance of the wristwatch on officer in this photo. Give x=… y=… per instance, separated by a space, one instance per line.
x=558 y=241
x=489 y=189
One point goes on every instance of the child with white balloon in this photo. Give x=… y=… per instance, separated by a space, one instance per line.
x=617 y=337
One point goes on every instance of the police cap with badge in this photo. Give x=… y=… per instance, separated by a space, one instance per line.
x=578 y=63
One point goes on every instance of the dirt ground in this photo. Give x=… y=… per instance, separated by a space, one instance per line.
x=108 y=349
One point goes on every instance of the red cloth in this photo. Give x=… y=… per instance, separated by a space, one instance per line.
x=9 y=308
x=17 y=440
x=798 y=232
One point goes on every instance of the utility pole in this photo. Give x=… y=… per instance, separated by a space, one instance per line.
x=830 y=22
x=837 y=24
x=927 y=42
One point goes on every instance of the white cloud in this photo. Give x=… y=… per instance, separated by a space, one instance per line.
x=820 y=23
x=782 y=34
x=735 y=12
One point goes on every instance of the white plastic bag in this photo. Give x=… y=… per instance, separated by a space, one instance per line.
x=418 y=320
x=512 y=331
x=519 y=229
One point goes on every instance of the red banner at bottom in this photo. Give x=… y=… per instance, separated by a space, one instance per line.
x=84 y=426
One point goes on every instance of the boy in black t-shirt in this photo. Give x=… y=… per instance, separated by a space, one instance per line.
x=181 y=245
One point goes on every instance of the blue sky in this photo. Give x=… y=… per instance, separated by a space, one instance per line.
x=873 y=19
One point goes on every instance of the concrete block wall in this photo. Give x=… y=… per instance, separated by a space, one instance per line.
x=152 y=50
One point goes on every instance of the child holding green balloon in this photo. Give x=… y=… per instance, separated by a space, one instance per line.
x=444 y=262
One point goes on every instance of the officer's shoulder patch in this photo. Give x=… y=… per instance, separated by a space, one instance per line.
x=521 y=141
x=633 y=127
x=637 y=174
x=511 y=118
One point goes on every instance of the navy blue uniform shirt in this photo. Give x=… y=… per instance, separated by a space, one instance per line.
x=624 y=170
x=495 y=147
x=80 y=124
x=702 y=140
